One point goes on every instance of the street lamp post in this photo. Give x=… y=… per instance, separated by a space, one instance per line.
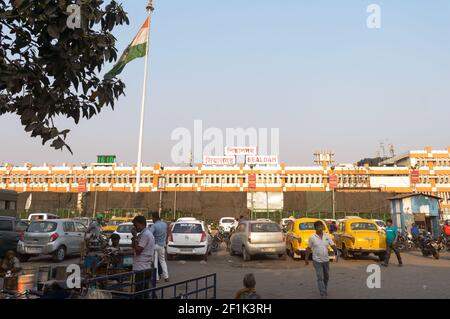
x=95 y=200
x=161 y=186
x=175 y=203
x=333 y=196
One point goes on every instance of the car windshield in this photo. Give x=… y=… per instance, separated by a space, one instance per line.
x=188 y=228
x=125 y=229
x=37 y=217
x=84 y=221
x=6 y=225
x=265 y=228
x=307 y=226
x=42 y=227
x=227 y=221
x=364 y=226
x=381 y=224
x=21 y=226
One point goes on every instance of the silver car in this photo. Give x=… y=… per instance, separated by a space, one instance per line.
x=258 y=238
x=57 y=237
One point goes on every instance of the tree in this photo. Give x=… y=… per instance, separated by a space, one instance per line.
x=48 y=70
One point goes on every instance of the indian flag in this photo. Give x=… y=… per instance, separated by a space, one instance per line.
x=137 y=49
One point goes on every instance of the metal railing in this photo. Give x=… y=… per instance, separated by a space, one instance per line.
x=204 y=287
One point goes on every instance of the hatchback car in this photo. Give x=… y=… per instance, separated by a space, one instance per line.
x=57 y=237
x=10 y=230
x=124 y=231
x=258 y=238
x=361 y=237
x=189 y=237
x=226 y=223
x=298 y=234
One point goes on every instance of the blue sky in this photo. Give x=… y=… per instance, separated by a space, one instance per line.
x=310 y=68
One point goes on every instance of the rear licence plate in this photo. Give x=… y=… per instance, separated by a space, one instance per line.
x=185 y=250
x=34 y=250
x=268 y=250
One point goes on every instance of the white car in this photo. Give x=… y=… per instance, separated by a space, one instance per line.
x=43 y=216
x=189 y=237
x=264 y=220
x=124 y=231
x=226 y=223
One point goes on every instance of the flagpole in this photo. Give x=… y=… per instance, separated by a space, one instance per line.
x=150 y=9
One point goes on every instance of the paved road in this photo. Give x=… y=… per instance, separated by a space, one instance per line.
x=420 y=277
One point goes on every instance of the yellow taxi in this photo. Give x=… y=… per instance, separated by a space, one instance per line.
x=297 y=237
x=360 y=237
x=114 y=222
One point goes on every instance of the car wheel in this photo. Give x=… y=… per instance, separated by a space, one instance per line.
x=170 y=257
x=245 y=255
x=205 y=257
x=60 y=254
x=282 y=256
x=345 y=254
x=232 y=253
x=23 y=258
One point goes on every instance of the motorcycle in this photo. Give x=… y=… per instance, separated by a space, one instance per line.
x=405 y=242
x=221 y=236
x=428 y=246
x=444 y=243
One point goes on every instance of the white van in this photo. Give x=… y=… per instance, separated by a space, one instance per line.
x=43 y=216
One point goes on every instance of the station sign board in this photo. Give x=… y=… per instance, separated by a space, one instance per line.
x=219 y=160
x=261 y=160
x=240 y=150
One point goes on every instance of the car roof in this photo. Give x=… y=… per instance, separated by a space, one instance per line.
x=187 y=221
x=353 y=220
x=227 y=218
x=258 y=221
x=9 y=218
x=308 y=220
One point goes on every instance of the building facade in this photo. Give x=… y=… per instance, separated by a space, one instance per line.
x=431 y=166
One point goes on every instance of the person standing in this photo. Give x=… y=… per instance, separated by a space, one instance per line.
x=446 y=228
x=391 y=243
x=143 y=243
x=318 y=245
x=159 y=231
x=415 y=232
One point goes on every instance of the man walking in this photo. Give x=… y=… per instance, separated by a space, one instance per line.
x=159 y=231
x=391 y=243
x=318 y=245
x=143 y=244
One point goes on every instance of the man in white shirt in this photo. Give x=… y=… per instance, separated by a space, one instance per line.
x=143 y=243
x=318 y=245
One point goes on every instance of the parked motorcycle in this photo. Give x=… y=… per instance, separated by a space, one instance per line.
x=444 y=243
x=221 y=236
x=405 y=242
x=429 y=246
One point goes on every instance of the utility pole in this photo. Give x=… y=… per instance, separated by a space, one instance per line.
x=175 y=203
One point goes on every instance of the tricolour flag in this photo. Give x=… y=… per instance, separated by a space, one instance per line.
x=137 y=49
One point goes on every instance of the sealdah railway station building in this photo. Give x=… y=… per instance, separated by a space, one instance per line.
x=256 y=187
